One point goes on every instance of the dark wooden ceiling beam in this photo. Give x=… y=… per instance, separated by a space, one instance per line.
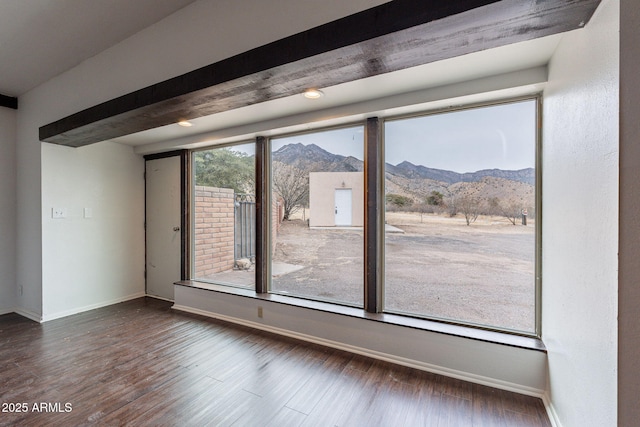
x=393 y=36
x=8 y=101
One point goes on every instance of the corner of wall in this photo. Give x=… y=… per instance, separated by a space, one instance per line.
x=95 y=254
x=551 y=410
x=28 y=247
x=580 y=237
x=8 y=118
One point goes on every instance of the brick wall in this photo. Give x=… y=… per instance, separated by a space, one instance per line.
x=214 y=229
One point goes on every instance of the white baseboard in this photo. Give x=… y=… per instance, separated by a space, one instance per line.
x=6 y=311
x=551 y=411
x=28 y=314
x=465 y=376
x=77 y=310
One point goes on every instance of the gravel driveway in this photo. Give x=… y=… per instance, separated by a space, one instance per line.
x=439 y=266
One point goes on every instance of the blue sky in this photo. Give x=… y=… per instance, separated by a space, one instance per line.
x=344 y=141
x=499 y=136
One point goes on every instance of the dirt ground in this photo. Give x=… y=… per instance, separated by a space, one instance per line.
x=439 y=266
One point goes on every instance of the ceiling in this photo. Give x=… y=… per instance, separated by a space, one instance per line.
x=402 y=92
x=40 y=39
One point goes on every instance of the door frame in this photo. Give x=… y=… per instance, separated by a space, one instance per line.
x=185 y=203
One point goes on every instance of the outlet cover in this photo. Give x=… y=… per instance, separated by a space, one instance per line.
x=58 y=213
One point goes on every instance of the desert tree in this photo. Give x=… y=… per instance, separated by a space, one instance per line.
x=423 y=208
x=397 y=201
x=512 y=210
x=225 y=168
x=433 y=203
x=470 y=208
x=452 y=205
x=292 y=186
x=493 y=206
x=436 y=198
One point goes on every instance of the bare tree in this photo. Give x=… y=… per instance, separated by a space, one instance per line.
x=422 y=209
x=452 y=206
x=470 y=208
x=511 y=210
x=292 y=185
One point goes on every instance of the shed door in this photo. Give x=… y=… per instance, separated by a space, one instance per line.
x=343 y=206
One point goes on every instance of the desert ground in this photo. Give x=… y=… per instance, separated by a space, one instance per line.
x=437 y=267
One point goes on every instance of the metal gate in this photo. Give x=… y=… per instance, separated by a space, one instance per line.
x=245 y=226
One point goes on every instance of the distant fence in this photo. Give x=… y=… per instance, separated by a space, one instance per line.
x=245 y=226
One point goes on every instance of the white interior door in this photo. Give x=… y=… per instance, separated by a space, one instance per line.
x=343 y=206
x=163 y=234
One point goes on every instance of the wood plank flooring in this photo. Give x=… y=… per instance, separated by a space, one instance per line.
x=141 y=364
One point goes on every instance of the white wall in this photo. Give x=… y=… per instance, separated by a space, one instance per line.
x=580 y=222
x=7 y=209
x=28 y=230
x=57 y=260
x=74 y=264
x=99 y=259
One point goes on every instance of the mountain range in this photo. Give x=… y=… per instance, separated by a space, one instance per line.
x=417 y=181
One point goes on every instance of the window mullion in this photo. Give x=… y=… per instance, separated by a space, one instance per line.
x=374 y=190
x=262 y=220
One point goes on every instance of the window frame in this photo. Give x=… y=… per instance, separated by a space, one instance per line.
x=192 y=205
x=537 y=273
x=374 y=214
x=267 y=193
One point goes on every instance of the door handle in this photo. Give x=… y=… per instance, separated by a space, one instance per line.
x=176 y=228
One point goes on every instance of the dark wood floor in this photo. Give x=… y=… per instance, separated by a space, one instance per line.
x=140 y=363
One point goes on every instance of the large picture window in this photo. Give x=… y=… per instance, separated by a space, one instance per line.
x=440 y=220
x=460 y=214
x=317 y=196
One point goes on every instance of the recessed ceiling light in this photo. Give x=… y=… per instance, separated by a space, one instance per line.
x=313 y=94
x=185 y=123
